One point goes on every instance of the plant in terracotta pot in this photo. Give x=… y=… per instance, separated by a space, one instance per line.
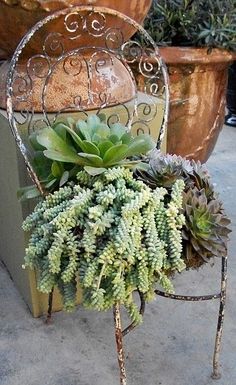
x=196 y=39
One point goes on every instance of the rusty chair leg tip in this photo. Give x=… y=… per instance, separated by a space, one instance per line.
x=48 y=321
x=216 y=376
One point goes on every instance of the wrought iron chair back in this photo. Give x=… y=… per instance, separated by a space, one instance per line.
x=87 y=62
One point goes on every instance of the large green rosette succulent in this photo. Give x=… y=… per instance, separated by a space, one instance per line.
x=60 y=151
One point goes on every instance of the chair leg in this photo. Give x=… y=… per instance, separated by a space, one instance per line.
x=218 y=341
x=49 y=313
x=119 y=343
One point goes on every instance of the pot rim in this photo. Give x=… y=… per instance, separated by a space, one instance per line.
x=38 y=5
x=195 y=55
x=47 y=5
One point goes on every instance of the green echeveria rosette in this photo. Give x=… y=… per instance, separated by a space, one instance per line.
x=60 y=151
x=205 y=231
x=165 y=169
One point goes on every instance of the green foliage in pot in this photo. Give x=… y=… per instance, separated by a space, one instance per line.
x=106 y=229
x=198 y=23
x=205 y=232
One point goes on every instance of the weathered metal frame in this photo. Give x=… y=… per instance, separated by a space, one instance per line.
x=119 y=334
x=216 y=375
x=13 y=124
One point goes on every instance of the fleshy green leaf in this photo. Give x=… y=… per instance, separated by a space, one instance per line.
x=118 y=129
x=84 y=130
x=93 y=121
x=140 y=145
x=52 y=141
x=104 y=146
x=34 y=143
x=102 y=117
x=115 y=154
x=71 y=122
x=57 y=169
x=129 y=163
x=90 y=148
x=114 y=139
x=96 y=138
x=51 y=183
x=103 y=130
x=60 y=129
x=64 y=178
x=60 y=157
x=92 y=160
x=126 y=138
x=94 y=170
x=76 y=138
x=28 y=192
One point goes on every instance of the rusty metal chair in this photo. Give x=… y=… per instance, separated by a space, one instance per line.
x=82 y=43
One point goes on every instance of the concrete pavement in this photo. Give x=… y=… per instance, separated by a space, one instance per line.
x=174 y=346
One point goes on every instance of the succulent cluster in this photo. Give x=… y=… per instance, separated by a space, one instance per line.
x=205 y=232
x=111 y=232
x=199 y=23
x=60 y=151
x=114 y=230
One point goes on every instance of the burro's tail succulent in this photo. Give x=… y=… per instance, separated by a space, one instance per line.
x=111 y=232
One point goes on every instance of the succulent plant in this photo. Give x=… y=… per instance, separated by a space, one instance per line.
x=199 y=23
x=164 y=170
x=113 y=232
x=60 y=151
x=92 y=144
x=205 y=232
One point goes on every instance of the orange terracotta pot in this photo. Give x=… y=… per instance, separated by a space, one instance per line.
x=198 y=81
x=18 y=16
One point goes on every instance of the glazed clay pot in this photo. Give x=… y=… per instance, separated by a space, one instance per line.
x=198 y=83
x=18 y=16
x=68 y=84
x=24 y=14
